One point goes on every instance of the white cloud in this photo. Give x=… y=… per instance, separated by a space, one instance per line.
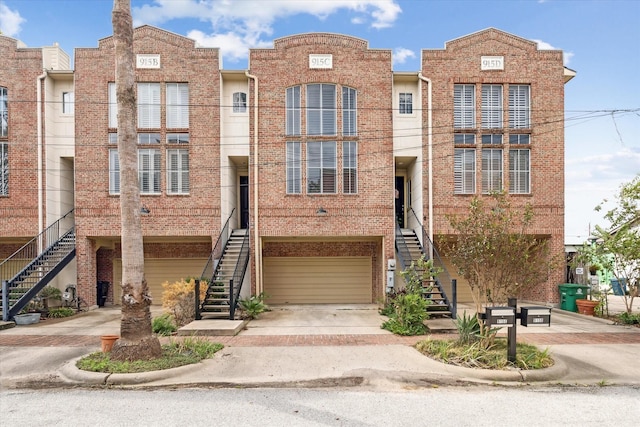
x=401 y=54
x=238 y=25
x=10 y=21
x=546 y=46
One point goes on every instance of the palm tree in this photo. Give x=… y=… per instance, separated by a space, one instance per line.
x=137 y=341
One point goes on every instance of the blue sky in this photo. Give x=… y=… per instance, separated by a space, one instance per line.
x=601 y=41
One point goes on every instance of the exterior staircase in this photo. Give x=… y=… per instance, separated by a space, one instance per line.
x=228 y=274
x=33 y=266
x=408 y=251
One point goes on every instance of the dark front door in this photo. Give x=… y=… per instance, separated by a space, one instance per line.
x=244 y=202
x=400 y=200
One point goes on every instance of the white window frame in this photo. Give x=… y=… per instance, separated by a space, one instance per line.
x=114 y=171
x=464 y=138
x=177 y=102
x=405 y=103
x=492 y=170
x=113 y=106
x=239 y=102
x=321 y=109
x=293 y=111
x=294 y=167
x=4 y=169
x=519 y=171
x=148 y=105
x=464 y=106
x=68 y=103
x=491 y=106
x=519 y=106
x=323 y=165
x=149 y=174
x=350 y=167
x=178 y=173
x=349 y=111
x=464 y=171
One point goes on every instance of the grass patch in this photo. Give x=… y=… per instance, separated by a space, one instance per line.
x=472 y=355
x=176 y=353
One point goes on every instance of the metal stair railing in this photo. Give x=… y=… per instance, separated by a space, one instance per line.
x=444 y=281
x=404 y=255
x=235 y=284
x=211 y=267
x=31 y=261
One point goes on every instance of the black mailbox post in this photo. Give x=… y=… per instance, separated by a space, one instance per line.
x=535 y=316
x=500 y=316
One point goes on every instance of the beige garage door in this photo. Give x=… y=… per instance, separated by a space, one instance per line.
x=158 y=271
x=321 y=280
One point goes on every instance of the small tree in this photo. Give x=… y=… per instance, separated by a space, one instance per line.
x=617 y=248
x=494 y=253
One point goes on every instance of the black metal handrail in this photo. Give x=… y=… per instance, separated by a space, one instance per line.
x=212 y=263
x=404 y=255
x=447 y=285
x=12 y=267
x=235 y=284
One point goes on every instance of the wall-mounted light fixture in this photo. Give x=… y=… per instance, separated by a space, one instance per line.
x=145 y=210
x=321 y=211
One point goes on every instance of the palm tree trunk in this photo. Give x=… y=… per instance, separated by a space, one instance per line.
x=137 y=341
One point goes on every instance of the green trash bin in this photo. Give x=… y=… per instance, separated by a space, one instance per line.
x=569 y=293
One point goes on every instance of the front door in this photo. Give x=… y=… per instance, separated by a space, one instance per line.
x=244 y=202
x=400 y=200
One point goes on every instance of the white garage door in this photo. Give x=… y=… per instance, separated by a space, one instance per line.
x=317 y=280
x=158 y=271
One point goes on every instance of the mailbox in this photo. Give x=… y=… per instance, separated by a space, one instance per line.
x=535 y=316
x=500 y=316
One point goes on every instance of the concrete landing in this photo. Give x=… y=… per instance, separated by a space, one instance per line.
x=213 y=327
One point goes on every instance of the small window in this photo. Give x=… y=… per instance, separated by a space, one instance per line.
x=148 y=138
x=114 y=172
x=464 y=138
x=292 y=106
x=4 y=169
x=68 y=102
x=239 y=102
x=321 y=167
x=113 y=138
x=4 y=113
x=113 y=106
x=177 y=138
x=492 y=138
x=519 y=139
x=294 y=171
x=406 y=103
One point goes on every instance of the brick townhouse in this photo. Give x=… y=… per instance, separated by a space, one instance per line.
x=320 y=154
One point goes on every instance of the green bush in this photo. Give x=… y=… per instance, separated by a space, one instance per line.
x=468 y=328
x=408 y=315
x=253 y=306
x=164 y=325
x=60 y=312
x=628 y=318
x=50 y=292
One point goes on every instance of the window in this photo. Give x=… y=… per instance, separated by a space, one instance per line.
x=405 y=105
x=350 y=167
x=519 y=139
x=491 y=106
x=491 y=170
x=148 y=138
x=113 y=106
x=349 y=110
x=464 y=106
x=4 y=113
x=148 y=105
x=4 y=169
x=519 y=171
x=239 y=102
x=113 y=138
x=492 y=138
x=293 y=110
x=519 y=107
x=464 y=138
x=464 y=171
x=149 y=171
x=177 y=106
x=177 y=138
x=178 y=171
x=67 y=102
x=321 y=109
x=114 y=172
x=321 y=167
x=294 y=172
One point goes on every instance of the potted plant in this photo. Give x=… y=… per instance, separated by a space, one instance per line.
x=587 y=306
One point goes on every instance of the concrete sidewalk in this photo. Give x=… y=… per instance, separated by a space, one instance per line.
x=316 y=346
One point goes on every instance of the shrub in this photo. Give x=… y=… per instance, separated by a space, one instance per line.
x=178 y=298
x=253 y=306
x=468 y=328
x=50 y=292
x=408 y=316
x=60 y=312
x=164 y=325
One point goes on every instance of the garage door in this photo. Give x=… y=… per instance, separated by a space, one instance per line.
x=317 y=280
x=158 y=271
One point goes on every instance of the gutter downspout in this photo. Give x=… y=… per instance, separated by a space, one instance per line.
x=429 y=152
x=257 y=245
x=39 y=81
